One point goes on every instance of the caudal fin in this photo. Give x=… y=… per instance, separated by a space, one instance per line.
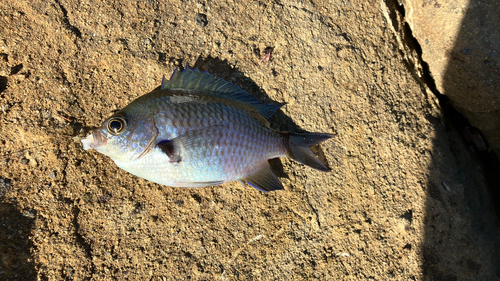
x=299 y=149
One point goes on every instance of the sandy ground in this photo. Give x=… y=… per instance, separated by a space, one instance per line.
x=405 y=200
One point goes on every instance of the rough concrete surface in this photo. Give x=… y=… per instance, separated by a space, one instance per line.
x=405 y=199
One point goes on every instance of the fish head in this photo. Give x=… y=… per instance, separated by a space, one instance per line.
x=123 y=137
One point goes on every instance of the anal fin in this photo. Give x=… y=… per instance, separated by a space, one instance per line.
x=264 y=179
x=196 y=184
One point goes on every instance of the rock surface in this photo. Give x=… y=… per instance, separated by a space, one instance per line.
x=460 y=42
x=405 y=200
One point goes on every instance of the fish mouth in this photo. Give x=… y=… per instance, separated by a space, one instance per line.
x=94 y=140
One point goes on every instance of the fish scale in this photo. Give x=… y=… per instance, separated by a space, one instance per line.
x=230 y=158
x=199 y=130
x=233 y=148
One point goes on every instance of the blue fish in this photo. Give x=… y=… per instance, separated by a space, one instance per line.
x=198 y=130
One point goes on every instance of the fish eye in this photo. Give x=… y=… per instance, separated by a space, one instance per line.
x=116 y=125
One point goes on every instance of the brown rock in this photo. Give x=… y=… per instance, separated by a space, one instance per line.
x=383 y=212
x=460 y=42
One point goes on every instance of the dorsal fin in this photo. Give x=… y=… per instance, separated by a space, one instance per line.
x=212 y=85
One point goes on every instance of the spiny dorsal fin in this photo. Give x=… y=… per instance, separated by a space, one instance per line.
x=212 y=85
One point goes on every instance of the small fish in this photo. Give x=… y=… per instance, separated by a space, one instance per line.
x=198 y=130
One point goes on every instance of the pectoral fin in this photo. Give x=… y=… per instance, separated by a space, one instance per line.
x=183 y=146
x=170 y=149
x=264 y=179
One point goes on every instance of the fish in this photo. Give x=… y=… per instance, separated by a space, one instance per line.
x=198 y=130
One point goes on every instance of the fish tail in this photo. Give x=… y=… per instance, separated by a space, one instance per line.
x=299 y=149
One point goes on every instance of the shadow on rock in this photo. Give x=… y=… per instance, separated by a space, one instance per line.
x=3 y=83
x=461 y=221
x=16 y=261
x=461 y=225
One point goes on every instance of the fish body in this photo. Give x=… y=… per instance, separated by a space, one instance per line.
x=198 y=130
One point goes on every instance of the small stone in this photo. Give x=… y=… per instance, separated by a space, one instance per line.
x=5 y=185
x=201 y=20
x=29 y=213
x=52 y=174
x=25 y=161
x=87 y=197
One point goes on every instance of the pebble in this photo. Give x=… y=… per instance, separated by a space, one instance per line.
x=29 y=213
x=5 y=185
x=201 y=20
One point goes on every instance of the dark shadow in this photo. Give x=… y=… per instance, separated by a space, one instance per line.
x=3 y=84
x=472 y=73
x=463 y=191
x=461 y=225
x=16 y=260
